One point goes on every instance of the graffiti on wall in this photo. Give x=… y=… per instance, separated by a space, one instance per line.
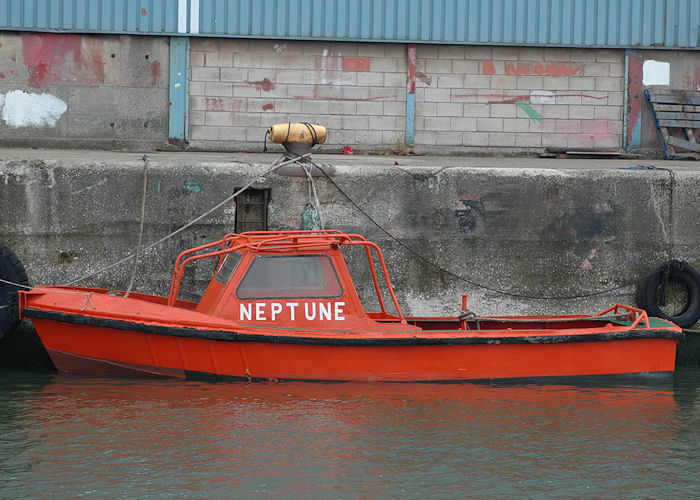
x=62 y=57
x=537 y=69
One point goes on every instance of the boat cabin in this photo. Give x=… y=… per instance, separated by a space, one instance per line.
x=293 y=279
x=301 y=280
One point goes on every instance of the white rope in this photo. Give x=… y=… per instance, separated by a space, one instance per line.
x=143 y=216
x=88 y=298
x=316 y=204
x=29 y=287
x=18 y=285
x=274 y=167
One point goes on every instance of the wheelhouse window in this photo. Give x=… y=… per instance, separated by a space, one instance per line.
x=228 y=267
x=290 y=276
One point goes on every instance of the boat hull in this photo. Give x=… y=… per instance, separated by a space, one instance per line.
x=104 y=350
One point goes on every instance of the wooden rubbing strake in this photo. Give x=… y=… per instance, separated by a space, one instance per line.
x=677 y=116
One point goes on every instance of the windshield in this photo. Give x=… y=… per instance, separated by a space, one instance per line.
x=288 y=276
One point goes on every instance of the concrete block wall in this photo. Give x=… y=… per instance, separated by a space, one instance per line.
x=481 y=97
x=467 y=97
x=83 y=91
x=239 y=88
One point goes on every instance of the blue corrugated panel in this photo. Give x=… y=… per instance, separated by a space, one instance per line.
x=92 y=16
x=573 y=23
x=578 y=23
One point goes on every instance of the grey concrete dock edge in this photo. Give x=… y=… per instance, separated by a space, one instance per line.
x=527 y=226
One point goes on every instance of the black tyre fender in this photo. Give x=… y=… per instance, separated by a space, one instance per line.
x=681 y=271
x=12 y=273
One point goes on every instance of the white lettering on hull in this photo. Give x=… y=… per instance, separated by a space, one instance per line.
x=310 y=315
x=276 y=311
x=324 y=311
x=244 y=312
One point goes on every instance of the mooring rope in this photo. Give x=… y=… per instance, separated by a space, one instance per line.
x=29 y=287
x=18 y=285
x=457 y=276
x=276 y=165
x=313 y=199
x=143 y=216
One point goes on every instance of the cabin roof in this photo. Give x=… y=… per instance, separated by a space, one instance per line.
x=293 y=240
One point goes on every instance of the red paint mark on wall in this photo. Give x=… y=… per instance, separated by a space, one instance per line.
x=563 y=70
x=40 y=74
x=586 y=266
x=238 y=105
x=593 y=132
x=599 y=97
x=554 y=69
x=511 y=99
x=518 y=69
x=155 y=72
x=595 y=127
x=355 y=63
x=213 y=104
x=224 y=104
x=500 y=98
x=349 y=99
x=265 y=85
x=428 y=80
x=527 y=69
x=2 y=75
x=411 y=68
x=144 y=12
x=268 y=106
x=52 y=57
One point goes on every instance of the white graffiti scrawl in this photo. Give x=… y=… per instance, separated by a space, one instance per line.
x=24 y=109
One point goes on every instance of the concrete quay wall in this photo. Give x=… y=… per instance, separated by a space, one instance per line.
x=529 y=227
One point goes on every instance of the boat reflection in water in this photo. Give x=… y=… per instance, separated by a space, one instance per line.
x=87 y=436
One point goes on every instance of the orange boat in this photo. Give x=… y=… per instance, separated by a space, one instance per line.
x=285 y=306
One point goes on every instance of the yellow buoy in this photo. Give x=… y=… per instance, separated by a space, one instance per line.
x=298 y=132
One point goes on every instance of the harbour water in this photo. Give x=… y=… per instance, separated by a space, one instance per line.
x=68 y=437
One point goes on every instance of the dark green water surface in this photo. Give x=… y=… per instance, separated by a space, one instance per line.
x=68 y=437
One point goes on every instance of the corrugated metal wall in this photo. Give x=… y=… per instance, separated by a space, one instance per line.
x=574 y=23
x=108 y=16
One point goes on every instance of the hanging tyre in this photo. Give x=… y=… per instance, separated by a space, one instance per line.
x=672 y=291
x=12 y=273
